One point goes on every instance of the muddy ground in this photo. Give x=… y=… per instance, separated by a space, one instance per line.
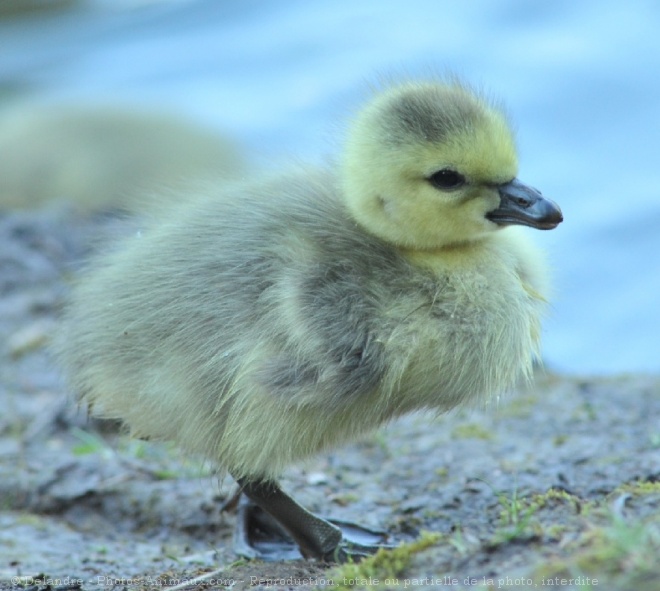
x=557 y=486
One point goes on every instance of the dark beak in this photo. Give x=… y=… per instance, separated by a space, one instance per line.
x=523 y=205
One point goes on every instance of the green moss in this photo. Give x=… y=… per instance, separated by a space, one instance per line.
x=519 y=517
x=556 y=531
x=386 y=564
x=382 y=441
x=555 y=496
x=471 y=431
x=518 y=407
x=638 y=488
x=620 y=555
x=586 y=410
x=165 y=474
x=90 y=443
x=345 y=498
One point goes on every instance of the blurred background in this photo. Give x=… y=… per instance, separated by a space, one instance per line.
x=258 y=83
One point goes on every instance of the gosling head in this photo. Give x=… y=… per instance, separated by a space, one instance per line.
x=433 y=165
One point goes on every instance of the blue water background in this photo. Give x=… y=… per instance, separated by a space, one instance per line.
x=581 y=79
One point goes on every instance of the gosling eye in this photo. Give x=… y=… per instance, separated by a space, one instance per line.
x=447 y=179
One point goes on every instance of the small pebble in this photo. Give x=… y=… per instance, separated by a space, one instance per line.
x=316 y=478
x=30 y=338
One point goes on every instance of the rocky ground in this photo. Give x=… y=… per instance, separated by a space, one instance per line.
x=556 y=486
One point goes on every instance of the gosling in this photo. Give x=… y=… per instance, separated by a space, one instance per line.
x=264 y=323
x=100 y=158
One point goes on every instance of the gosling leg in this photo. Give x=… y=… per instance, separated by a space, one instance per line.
x=315 y=537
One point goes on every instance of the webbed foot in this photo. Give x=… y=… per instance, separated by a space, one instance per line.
x=259 y=535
